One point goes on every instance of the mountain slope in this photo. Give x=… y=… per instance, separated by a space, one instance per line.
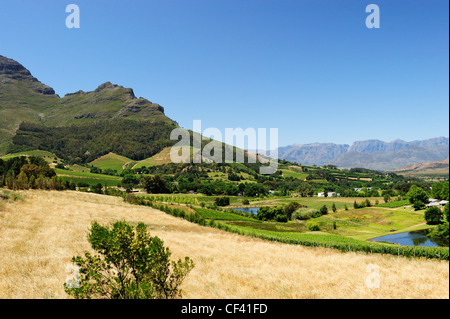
x=430 y=170
x=22 y=98
x=81 y=126
x=430 y=165
x=312 y=154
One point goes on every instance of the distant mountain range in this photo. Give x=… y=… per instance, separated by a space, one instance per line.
x=372 y=154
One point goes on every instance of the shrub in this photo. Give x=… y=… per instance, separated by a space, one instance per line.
x=305 y=214
x=281 y=218
x=312 y=225
x=98 y=188
x=333 y=208
x=131 y=265
x=417 y=194
x=418 y=205
x=324 y=210
x=245 y=202
x=433 y=216
x=222 y=201
x=290 y=208
x=82 y=184
x=446 y=211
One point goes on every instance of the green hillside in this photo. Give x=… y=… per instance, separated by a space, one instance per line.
x=111 y=161
x=108 y=119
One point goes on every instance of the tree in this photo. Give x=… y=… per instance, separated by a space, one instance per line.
x=154 y=184
x=416 y=194
x=440 y=191
x=418 y=205
x=324 y=210
x=290 y=208
x=433 y=216
x=446 y=211
x=222 y=201
x=387 y=198
x=305 y=190
x=333 y=208
x=130 y=264
x=98 y=188
x=129 y=181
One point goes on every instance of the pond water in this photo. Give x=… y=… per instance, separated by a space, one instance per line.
x=412 y=238
x=251 y=210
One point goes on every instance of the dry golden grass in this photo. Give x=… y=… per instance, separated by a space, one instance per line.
x=38 y=237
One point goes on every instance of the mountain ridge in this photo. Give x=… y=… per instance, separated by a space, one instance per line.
x=23 y=99
x=372 y=154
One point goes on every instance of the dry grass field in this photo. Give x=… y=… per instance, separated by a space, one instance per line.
x=39 y=235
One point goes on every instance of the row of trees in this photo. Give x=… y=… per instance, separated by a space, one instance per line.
x=20 y=173
x=86 y=142
x=419 y=197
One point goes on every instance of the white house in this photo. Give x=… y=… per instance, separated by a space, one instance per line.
x=330 y=194
x=436 y=202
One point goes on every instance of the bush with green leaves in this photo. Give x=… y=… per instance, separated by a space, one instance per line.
x=305 y=214
x=323 y=210
x=334 y=208
x=417 y=195
x=222 y=201
x=129 y=264
x=312 y=225
x=418 y=205
x=281 y=218
x=433 y=215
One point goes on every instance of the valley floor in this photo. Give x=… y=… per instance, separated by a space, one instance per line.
x=40 y=234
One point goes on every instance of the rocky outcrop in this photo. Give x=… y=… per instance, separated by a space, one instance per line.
x=12 y=71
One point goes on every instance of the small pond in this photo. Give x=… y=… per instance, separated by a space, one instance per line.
x=251 y=210
x=412 y=238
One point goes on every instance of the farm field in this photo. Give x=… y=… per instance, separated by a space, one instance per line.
x=111 y=161
x=49 y=157
x=81 y=176
x=40 y=234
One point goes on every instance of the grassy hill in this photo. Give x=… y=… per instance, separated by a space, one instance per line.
x=430 y=170
x=33 y=265
x=111 y=161
x=49 y=157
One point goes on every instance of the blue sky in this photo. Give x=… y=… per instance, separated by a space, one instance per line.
x=310 y=68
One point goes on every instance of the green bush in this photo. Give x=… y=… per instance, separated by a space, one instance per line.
x=305 y=214
x=433 y=216
x=222 y=201
x=312 y=225
x=130 y=264
x=418 y=205
x=281 y=218
x=417 y=194
x=324 y=210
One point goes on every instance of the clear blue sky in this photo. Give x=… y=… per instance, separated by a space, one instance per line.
x=311 y=68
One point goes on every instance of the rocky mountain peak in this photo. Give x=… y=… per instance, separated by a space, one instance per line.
x=12 y=71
